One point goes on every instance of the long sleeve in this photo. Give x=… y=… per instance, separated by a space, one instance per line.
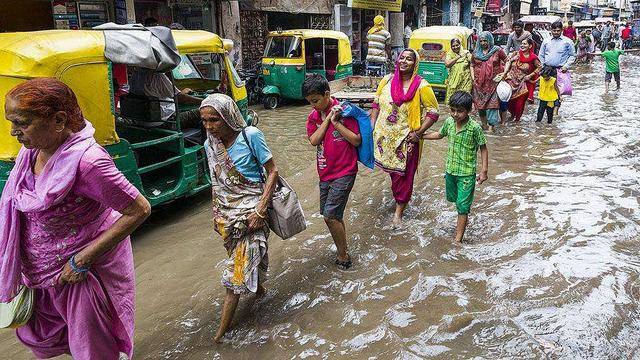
x=543 y=50
x=509 y=43
x=572 y=54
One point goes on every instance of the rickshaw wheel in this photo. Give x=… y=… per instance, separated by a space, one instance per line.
x=271 y=102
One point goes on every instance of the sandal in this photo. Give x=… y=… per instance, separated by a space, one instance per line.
x=345 y=264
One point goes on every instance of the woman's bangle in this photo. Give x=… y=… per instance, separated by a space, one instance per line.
x=259 y=215
x=74 y=266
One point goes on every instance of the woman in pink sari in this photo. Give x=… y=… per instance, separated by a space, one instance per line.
x=66 y=214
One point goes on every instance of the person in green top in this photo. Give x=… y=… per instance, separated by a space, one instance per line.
x=465 y=138
x=458 y=61
x=612 y=68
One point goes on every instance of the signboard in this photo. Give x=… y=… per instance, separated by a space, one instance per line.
x=65 y=15
x=382 y=5
x=494 y=6
x=525 y=7
x=540 y=11
x=565 y=5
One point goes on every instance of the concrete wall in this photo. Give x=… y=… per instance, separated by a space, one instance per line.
x=230 y=28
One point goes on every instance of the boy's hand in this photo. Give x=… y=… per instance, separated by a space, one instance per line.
x=482 y=177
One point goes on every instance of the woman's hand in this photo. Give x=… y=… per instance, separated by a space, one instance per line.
x=255 y=222
x=68 y=276
x=414 y=137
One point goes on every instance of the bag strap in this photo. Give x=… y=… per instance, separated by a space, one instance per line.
x=253 y=155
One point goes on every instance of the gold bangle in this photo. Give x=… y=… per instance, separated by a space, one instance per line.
x=257 y=213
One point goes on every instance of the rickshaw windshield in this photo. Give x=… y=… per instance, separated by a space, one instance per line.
x=186 y=70
x=283 y=47
x=431 y=52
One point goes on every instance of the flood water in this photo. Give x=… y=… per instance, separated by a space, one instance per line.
x=551 y=270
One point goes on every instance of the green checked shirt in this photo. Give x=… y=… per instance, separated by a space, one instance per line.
x=463 y=146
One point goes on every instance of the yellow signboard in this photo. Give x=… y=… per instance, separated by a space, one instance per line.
x=383 y=5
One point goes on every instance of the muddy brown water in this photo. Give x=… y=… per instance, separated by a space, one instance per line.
x=551 y=270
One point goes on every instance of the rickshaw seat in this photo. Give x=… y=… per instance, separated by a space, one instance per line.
x=140 y=109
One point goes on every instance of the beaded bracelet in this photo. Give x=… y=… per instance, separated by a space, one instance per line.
x=77 y=269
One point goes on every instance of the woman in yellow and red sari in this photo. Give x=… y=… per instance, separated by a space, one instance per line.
x=404 y=108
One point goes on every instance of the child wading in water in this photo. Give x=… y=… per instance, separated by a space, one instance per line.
x=465 y=138
x=612 y=68
x=336 y=139
x=548 y=94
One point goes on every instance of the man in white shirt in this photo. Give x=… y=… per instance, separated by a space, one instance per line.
x=157 y=85
x=407 y=35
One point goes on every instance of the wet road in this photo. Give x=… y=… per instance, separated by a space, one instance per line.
x=551 y=269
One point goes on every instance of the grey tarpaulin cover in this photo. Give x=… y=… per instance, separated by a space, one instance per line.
x=135 y=45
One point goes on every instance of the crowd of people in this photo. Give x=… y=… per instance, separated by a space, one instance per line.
x=67 y=211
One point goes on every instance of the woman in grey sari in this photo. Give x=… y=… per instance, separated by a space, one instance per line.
x=236 y=156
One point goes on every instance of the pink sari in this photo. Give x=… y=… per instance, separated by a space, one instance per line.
x=48 y=218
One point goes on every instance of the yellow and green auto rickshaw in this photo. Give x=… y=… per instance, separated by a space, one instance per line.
x=290 y=55
x=432 y=43
x=162 y=162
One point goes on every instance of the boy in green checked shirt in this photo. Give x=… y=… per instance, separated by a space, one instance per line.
x=465 y=137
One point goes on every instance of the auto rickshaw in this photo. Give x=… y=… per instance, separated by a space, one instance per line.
x=160 y=161
x=501 y=37
x=290 y=55
x=432 y=43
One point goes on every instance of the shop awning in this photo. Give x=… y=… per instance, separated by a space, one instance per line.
x=289 y=6
x=381 y=5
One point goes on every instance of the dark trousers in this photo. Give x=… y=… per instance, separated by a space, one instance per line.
x=542 y=107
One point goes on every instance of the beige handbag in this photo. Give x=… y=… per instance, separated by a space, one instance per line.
x=18 y=311
x=285 y=215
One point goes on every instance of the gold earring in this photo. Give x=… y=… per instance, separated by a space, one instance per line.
x=61 y=130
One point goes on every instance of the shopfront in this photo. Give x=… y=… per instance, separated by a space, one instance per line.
x=81 y=14
x=258 y=17
x=25 y=15
x=191 y=14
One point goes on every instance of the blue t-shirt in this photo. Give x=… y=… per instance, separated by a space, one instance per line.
x=241 y=156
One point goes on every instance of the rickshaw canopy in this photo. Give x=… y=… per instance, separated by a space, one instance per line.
x=585 y=24
x=344 y=46
x=540 y=19
x=76 y=57
x=135 y=45
x=199 y=41
x=439 y=33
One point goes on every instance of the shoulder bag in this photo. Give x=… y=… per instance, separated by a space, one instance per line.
x=285 y=215
x=18 y=311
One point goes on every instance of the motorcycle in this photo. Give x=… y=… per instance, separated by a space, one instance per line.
x=253 y=83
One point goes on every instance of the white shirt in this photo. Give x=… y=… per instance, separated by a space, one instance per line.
x=157 y=85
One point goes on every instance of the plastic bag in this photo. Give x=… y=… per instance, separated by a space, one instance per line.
x=365 y=150
x=564 y=83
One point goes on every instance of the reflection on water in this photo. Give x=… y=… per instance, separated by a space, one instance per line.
x=551 y=270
